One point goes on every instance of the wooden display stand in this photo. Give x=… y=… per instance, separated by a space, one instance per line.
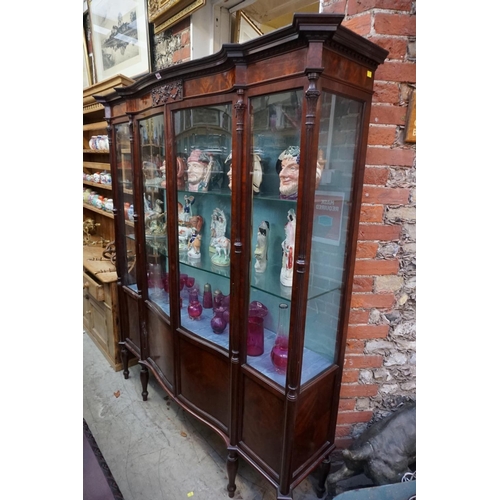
x=267 y=136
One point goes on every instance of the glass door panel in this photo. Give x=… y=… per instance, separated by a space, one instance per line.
x=276 y=120
x=126 y=195
x=202 y=148
x=152 y=151
x=338 y=143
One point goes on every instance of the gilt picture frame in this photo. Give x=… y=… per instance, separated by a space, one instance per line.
x=120 y=38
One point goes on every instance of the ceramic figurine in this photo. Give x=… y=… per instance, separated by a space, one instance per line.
x=256 y=174
x=222 y=247
x=288 y=169
x=260 y=252
x=108 y=205
x=217 y=227
x=199 y=171
x=288 y=246
x=194 y=245
x=230 y=171
x=181 y=173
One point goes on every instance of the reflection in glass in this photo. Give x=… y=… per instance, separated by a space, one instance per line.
x=339 y=129
x=126 y=186
x=202 y=147
x=152 y=150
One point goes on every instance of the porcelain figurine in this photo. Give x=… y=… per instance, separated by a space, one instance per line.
x=222 y=247
x=288 y=169
x=194 y=245
x=260 y=252
x=288 y=247
x=199 y=171
x=217 y=227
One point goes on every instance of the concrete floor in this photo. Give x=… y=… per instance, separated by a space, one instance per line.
x=156 y=450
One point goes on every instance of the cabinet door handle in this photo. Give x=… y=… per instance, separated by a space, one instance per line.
x=88 y=312
x=86 y=285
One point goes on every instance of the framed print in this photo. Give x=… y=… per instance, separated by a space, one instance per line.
x=86 y=67
x=120 y=37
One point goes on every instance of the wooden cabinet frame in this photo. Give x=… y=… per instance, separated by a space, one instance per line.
x=284 y=429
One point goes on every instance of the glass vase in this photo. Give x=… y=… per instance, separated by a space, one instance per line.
x=279 y=352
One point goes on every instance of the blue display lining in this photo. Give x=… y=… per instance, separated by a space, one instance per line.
x=312 y=363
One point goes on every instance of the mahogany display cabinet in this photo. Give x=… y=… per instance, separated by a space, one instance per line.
x=238 y=182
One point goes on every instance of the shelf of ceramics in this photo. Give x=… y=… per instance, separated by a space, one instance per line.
x=96 y=165
x=98 y=185
x=98 y=210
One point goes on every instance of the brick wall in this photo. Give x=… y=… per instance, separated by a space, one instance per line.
x=380 y=369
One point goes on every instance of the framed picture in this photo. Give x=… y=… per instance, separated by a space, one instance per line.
x=86 y=67
x=120 y=37
x=328 y=214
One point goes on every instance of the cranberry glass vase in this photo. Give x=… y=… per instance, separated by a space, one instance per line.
x=279 y=352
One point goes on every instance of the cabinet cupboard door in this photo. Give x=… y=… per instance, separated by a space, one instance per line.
x=153 y=168
x=125 y=176
x=202 y=150
x=276 y=150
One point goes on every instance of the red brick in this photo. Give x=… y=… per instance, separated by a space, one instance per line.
x=376 y=175
x=361 y=24
x=343 y=430
x=382 y=135
x=334 y=6
x=355 y=346
x=358 y=391
x=362 y=361
x=358 y=317
x=396 y=157
x=364 y=284
x=388 y=114
x=368 y=332
x=355 y=7
x=183 y=54
x=395 y=71
x=186 y=38
x=347 y=404
x=397 y=47
x=354 y=417
x=343 y=443
x=385 y=195
x=369 y=300
x=377 y=232
x=394 y=24
x=372 y=213
x=366 y=250
x=386 y=92
x=350 y=376
x=373 y=267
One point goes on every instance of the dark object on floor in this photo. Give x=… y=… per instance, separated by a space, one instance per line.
x=397 y=491
x=384 y=452
x=98 y=482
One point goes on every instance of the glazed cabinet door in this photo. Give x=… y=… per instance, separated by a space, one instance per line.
x=276 y=155
x=202 y=147
x=126 y=235
x=151 y=131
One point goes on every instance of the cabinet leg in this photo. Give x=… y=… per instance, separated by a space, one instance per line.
x=125 y=359
x=232 y=468
x=144 y=382
x=324 y=470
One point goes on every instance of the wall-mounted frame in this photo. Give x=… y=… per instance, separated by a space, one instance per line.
x=87 y=81
x=165 y=13
x=120 y=37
